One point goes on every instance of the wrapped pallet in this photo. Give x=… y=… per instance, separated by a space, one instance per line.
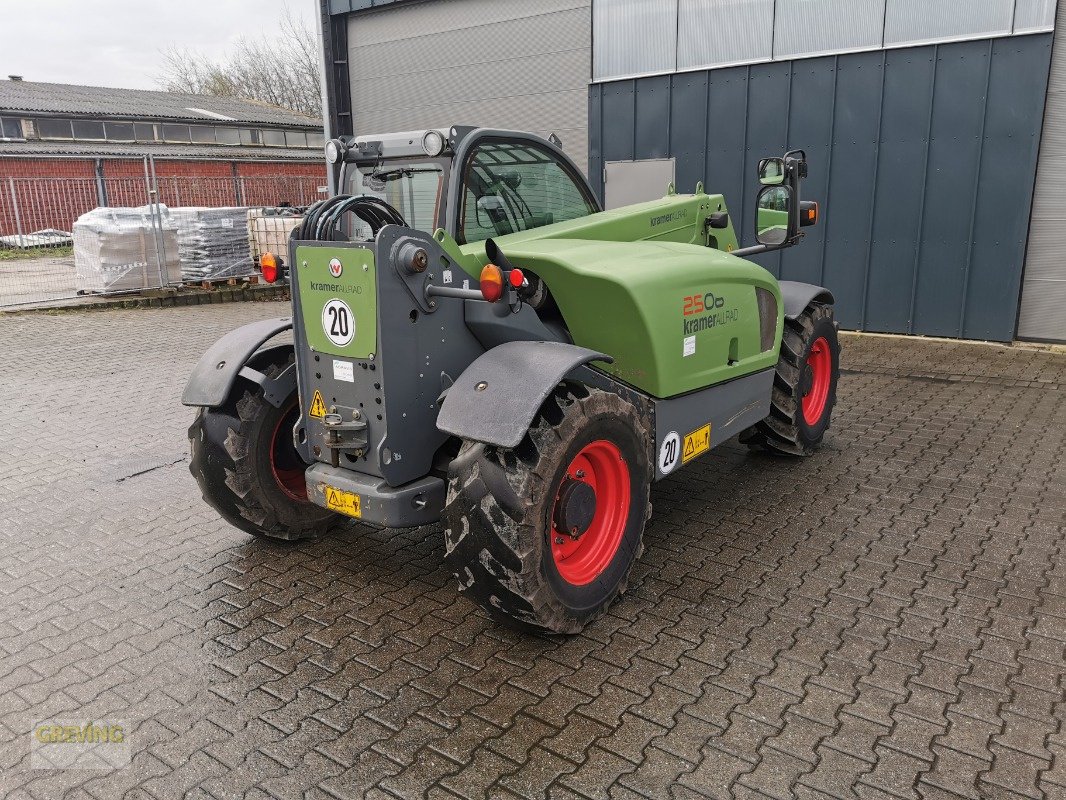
x=269 y=229
x=124 y=250
x=212 y=243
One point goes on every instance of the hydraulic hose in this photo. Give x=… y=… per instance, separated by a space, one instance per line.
x=322 y=220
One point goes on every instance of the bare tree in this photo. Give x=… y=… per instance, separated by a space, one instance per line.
x=283 y=71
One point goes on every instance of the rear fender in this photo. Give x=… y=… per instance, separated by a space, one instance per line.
x=217 y=370
x=797 y=296
x=496 y=398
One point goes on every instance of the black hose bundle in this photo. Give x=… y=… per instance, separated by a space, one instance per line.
x=323 y=218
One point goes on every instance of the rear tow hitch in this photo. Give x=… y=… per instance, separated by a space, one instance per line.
x=345 y=437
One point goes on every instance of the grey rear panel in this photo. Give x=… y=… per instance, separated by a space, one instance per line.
x=422 y=349
x=728 y=408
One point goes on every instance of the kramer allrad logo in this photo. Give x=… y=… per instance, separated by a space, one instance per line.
x=662 y=219
x=708 y=311
x=335 y=288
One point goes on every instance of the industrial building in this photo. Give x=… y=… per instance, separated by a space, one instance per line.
x=66 y=149
x=935 y=132
x=47 y=122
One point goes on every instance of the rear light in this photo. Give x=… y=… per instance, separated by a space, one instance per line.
x=492 y=283
x=516 y=278
x=268 y=263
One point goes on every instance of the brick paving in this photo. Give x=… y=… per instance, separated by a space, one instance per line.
x=884 y=620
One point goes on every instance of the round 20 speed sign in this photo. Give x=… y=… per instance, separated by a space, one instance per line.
x=338 y=322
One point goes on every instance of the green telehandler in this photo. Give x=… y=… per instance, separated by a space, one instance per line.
x=475 y=341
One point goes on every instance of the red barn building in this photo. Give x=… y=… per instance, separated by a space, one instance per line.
x=66 y=149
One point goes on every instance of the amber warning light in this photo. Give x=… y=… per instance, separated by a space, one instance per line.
x=268 y=263
x=492 y=283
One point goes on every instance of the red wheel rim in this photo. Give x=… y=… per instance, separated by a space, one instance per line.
x=285 y=462
x=820 y=365
x=580 y=561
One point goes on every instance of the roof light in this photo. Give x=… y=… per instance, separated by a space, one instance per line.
x=268 y=263
x=492 y=283
x=433 y=143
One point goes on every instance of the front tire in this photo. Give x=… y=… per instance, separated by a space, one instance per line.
x=248 y=468
x=585 y=466
x=805 y=386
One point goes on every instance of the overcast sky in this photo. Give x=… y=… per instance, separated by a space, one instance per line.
x=117 y=42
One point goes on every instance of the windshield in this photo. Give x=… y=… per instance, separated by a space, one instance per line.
x=517 y=186
x=411 y=187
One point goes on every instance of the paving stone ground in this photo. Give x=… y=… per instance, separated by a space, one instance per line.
x=886 y=619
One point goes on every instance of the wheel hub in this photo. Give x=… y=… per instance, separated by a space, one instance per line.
x=590 y=513
x=575 y=508
x=816 y=380
x=285 y=462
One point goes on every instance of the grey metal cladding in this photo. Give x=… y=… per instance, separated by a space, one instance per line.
x=474 y=62
x=1034 y=15
x=634 y=38
x=420 y=57
x=688 y=143
x=812 y=128
x=1043 y=302
x=908 y=21
x=821 y=26
x=711 y=32
x=1008 y=171
x=1043 y=308
x=423 y=18
x=852 y=184
x=922 y=159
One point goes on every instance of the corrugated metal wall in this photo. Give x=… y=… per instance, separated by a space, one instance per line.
x=474 y=62
x=923 y=159
x=1043 y=309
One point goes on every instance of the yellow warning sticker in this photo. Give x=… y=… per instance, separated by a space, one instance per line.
x=318 y=406
x=696 y=443
x=345 y=502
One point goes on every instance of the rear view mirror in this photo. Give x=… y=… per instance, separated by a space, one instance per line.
x=491 y=213
x=773 y=211
x=772 y=171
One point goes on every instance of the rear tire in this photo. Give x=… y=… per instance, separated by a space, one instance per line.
x=805 y=386
x=248 y=468
x=502 y=538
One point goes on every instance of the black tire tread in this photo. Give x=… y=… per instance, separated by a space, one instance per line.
x=779 y=433
x=225 y=468
x=495 y=499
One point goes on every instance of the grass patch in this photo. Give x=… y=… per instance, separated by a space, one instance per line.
x=15 y=254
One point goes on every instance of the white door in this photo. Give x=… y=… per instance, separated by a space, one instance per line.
x=629 y=182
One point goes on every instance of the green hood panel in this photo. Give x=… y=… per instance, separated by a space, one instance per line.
x=675 y=317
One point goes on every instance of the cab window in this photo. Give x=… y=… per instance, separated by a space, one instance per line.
x=517 y=186
x=412 y=188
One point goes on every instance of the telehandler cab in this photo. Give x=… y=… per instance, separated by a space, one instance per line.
x=476 y=341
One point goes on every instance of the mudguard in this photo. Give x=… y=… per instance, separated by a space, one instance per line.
x=497 y=396
x=797 y=296
x=214 y=374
